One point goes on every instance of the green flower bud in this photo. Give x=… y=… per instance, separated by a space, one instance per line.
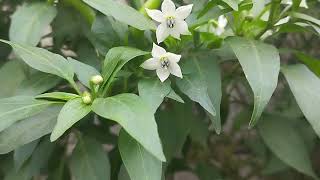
x=86 y=98
x=97 y=79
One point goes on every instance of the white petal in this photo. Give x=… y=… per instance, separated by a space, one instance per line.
x=157 y=51
x=288 y=2
x=218 y=31
x=151 y=64
x=184 y=11
x=182 y=27
x=162 y=32
x=304 y=4
x=222 y=21
x=173 y=57
x=163 y=74
x=174 y=69
x=156 y=15
x=168 y=8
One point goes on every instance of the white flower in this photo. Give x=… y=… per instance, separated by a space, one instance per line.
x=172 y=20
x=283 y=21
x=221 y=24
x=165 y=63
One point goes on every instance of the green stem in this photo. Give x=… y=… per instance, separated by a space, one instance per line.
x=86 y=11
x=75 y=87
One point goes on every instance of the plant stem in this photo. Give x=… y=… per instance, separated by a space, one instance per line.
x=150 y=4
x=86 y=11
x=75 y=87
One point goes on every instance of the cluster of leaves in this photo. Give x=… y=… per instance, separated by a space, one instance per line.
x=59 y=120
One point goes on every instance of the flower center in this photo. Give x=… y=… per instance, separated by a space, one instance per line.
x=164 y=62
x=170 y=22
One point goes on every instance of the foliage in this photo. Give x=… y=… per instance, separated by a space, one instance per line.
x=145 y=89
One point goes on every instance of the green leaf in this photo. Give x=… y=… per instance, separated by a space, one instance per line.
x=134 y=115
x=58 y=96
x=173 y=95
x=43 y=60
x=73 y=111
x=312 y=63
x=37 y=161
x=28 y=130
x=261 y=65
x=29 y=21
x=10 y=69
x=19 y=107
x=117 y=57
x=153 y=91
x=22 y=153
x=202 y=84
x=89 y=161
x=305 y=87
x=232 y=3
x=306 y=18
x=139 y=163
x=286 y=143
x=83 y=71
x=122 y=13
x=36 y=84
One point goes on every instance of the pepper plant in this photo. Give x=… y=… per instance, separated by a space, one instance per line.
x=152 y=89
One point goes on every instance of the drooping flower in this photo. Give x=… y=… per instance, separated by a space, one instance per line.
x=172 y=20
x=221 y=24
x=165 y=63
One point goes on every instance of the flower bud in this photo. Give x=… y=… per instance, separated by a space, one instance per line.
x=97 y=79
x=86 y=98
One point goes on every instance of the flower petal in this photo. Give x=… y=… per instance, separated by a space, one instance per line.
x=162 y=32
x=304 y=4
x=155 y=15
x=151 y=64
x=157 y=51
x=218 y=31
x=182 y=27
x=168 y=8
x=174 y=69
x=163 y=74
x=183 y=11
x=222 y=21
x=173 y=57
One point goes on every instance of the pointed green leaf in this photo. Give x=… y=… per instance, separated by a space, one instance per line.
x=173 y=95
x=43 y=60
x=286 y=143
x=73 y=111
x=83 y=71
x=28 y=130
x=22 y=153
x=36 y=84
x=122 y=13
x=153 y=91
x=29 y=21
x=232 y=3
x=19 y=107
x=261 y=65
x=134 y=115
x=305 y=87
x=89 y=161
x=58 y=96
x=140 y=164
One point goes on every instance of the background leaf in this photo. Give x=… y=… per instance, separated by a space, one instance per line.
x=261 y=65
x=89 y=161
x=28 y=130
x=286 y=143
x=153 y=91
x=22 y=154
x=139 y=163
x=122 y=13
x=29 y=22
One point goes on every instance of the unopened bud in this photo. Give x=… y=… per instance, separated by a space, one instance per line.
x=97 y=79
x=86 y=98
